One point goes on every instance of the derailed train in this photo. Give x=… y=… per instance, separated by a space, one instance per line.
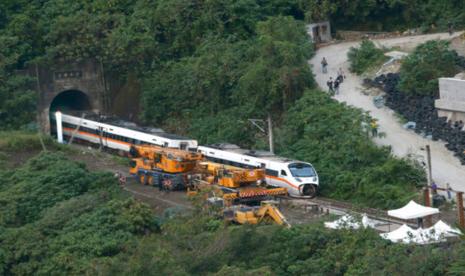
x=300 y=178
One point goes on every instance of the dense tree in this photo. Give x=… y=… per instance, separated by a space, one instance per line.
x=365 y=57
x=420 y=71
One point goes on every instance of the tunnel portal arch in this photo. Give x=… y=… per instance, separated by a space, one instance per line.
x=69 y=86
x=70 y=100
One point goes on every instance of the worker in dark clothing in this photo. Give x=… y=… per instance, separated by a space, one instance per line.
x=336 y=87
x=434 y=188
x=449 y=27
x=324 y=66
x=340 y=75
x=329 y=83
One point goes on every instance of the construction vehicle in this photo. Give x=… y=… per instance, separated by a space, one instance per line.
x=173 y=169
x=267 y=212
x=235 y=185
x=166 y=168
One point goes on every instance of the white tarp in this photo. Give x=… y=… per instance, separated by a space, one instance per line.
x=403 y=234
x=350 y=222
x=413 y=210
x=437 y=233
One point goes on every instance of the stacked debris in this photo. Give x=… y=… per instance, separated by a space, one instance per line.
x=420 y=110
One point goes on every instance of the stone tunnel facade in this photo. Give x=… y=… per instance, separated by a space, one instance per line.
x=82 y=81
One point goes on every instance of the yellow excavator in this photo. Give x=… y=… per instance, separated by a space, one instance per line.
x=267 y=212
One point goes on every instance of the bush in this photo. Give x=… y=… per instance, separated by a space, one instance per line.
x=365 y=57
x=420 y=71
x=41 y=183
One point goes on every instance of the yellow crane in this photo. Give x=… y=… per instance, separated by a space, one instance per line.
x=163 y=167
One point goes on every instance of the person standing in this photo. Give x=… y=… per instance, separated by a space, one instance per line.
x=324 y=66
x=340 y=75
x=449 y=27
x=434 y=188
x=449 y=191
x=329 y=83
x=374 y=128
x=336 y=87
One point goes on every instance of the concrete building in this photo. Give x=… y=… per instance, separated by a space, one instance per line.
x=451 y=102
x=320 y=32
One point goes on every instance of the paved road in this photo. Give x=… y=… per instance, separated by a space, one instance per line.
x=446 y=168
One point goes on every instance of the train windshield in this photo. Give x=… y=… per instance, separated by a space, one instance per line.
x=301 y=170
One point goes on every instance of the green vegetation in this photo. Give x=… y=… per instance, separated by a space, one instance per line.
x=372 y=15
x=59 y=218
x=420 y=71
x=365 y=57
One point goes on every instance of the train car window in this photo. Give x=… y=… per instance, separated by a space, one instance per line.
x=283 y=173
x=271 y=172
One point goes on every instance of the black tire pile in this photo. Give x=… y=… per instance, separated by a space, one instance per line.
x=420 y=109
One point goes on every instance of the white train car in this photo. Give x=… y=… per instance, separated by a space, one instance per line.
x=120 y=137
x=300 y=178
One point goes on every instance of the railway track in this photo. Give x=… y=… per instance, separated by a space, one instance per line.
x=327 y=205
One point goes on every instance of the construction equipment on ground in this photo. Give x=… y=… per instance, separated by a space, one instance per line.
x=267 y=212
x=173 y=169
x=235 y=185
x=166 y=168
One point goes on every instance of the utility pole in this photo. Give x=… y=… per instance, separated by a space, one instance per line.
x=268 y=131
x=428 y=159
x=270 y=134
x=460 y=209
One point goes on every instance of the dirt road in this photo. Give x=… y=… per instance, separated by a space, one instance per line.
x=446 y=168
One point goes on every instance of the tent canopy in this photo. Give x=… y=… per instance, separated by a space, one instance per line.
x=413 y=210
x=403 y=234
x=437 y=233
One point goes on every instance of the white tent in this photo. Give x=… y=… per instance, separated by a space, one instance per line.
x=437 y=233
x=350 y=222
x=441 y=229
x=413 y=210
x=403 y=234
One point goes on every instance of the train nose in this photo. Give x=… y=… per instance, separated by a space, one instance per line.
x=307 y=190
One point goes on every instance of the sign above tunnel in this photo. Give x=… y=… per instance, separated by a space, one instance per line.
x=61 y=75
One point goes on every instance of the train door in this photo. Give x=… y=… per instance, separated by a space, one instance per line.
x=103 y=133
x=183 y=146
x=273 y=178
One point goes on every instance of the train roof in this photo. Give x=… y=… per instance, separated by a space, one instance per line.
x=115 y=121
x=254 y=153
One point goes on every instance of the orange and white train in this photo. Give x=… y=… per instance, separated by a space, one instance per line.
x=119 y=135
x=300 y=178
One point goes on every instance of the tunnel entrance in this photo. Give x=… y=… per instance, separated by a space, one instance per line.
x=70 y=100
